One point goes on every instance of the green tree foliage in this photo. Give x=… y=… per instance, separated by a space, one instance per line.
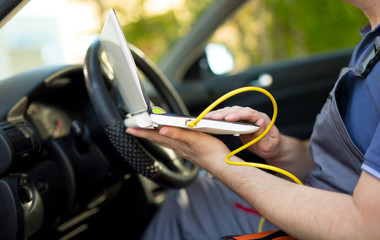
x=271 y=30
x=313 y=25
x=262 y=31
x=154 y=34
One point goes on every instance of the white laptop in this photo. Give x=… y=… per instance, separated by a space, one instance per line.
x=136 y=100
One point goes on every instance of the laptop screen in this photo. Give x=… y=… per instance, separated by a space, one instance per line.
x=123 y=66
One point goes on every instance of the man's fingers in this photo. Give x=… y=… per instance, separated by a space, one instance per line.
x=165 y=135
x=143 y=133
x=186 y=136
x=219 y=114
x=244 y=114
x=236 y=113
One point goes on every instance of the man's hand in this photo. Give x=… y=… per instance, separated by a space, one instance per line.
x=202 y=149
x=267 y=147
x=279 y=150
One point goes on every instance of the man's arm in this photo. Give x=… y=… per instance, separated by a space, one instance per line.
x=301 y=211
x=293 y=156
x=305 y=212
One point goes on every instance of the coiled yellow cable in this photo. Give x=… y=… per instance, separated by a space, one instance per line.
x=257 y=165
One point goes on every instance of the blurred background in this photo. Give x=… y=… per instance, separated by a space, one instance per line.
x=49 y=32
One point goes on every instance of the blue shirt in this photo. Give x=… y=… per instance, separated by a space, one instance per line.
x=361 y=111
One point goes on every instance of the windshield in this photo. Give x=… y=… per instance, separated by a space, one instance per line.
x=47 y=32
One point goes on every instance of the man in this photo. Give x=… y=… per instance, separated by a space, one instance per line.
x=340 y=166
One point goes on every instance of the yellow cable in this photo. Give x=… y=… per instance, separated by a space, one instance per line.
x=257 y=165
x=261 y=225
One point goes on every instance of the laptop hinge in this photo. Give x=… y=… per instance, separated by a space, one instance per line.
x=140 y=120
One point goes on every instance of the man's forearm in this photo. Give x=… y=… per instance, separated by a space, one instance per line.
x=293 y=155
x=301 y=211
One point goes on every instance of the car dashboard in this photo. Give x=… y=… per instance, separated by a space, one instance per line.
x=56 y=168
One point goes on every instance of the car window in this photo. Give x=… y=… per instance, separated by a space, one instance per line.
x=263 y=32
x=47 y=32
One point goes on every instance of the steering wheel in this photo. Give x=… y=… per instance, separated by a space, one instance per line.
x=157 y=163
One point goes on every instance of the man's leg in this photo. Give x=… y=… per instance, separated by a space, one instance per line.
x=205 y=210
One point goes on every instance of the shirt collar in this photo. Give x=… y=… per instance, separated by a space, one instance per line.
x=365 y=29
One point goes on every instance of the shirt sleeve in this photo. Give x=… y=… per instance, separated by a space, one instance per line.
x=371 y=162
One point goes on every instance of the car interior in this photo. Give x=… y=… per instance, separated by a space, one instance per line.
x=68 y=170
